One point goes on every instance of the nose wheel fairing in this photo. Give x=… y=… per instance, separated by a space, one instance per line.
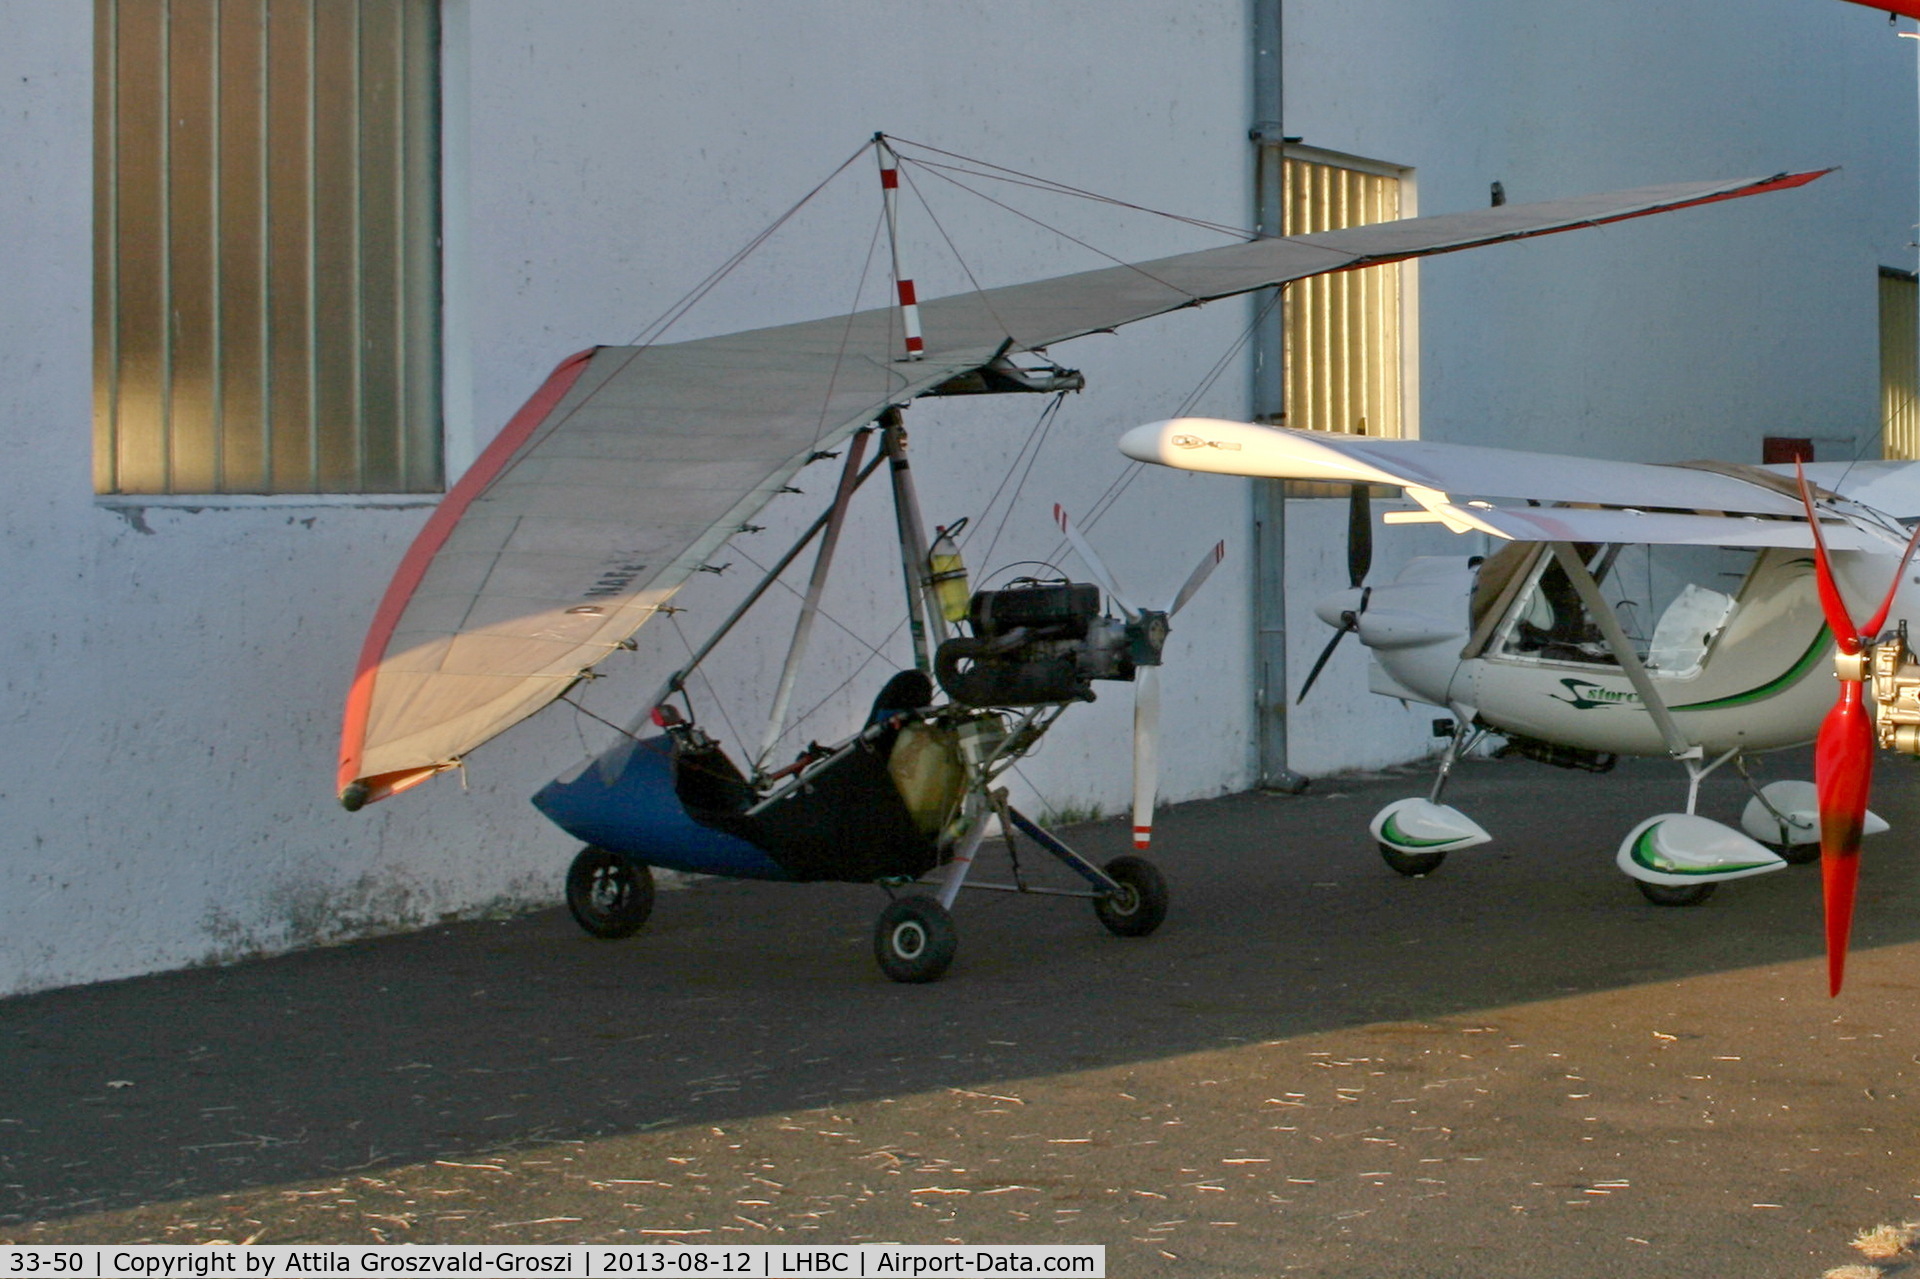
x=1419 y=826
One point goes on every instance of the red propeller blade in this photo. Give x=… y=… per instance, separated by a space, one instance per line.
x=1843 y=753
x=1842 y=774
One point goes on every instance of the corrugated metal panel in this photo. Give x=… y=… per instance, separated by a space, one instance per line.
x=1343 y=330
x=266 y=295
x=1899 y=364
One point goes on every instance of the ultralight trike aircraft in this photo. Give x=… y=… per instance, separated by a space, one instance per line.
x=631 y=468
x=1692 y=610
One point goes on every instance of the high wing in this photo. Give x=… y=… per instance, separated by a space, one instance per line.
x=1533 y=497
x=631 y=465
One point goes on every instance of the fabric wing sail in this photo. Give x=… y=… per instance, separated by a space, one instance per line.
x=632 y=465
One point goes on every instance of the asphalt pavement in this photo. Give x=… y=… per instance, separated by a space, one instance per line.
x=1513 y=1067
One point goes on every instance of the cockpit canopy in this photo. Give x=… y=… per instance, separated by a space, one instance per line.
x=1671 y=602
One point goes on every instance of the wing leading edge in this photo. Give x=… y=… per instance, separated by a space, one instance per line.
x=631 y=465
x=1529 y=497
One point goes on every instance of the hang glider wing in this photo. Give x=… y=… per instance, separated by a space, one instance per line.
x=1529 y=497
x=632 y=465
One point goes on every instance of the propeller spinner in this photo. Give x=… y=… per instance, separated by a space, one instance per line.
x=1148 y=629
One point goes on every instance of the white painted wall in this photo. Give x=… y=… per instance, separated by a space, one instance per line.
x=172 y=675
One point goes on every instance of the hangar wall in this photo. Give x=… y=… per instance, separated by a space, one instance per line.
x=173 y=670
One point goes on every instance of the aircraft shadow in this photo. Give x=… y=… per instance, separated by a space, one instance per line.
x=745 y=999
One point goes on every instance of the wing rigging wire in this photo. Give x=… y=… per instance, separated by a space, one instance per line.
x=1028 y=455
x=953 y=248
x=1018 y=178
x=1030 y=451
x=1121 y=262
x=678 y=310
x=652 y=333
x=846 y=331
x=1132 y=471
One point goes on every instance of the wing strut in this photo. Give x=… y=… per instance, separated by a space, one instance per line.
x=816 y=587
x=1622 y=648
x=676 y=681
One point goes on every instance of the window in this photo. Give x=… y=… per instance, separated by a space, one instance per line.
x=1343 y=331
x=266 y=276
x=1671 y=603
x=1899 y=365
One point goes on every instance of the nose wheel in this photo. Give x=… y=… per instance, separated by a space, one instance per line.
x=610 y=896
x=914 y=940
x=1412 y=865
x=1675 y=894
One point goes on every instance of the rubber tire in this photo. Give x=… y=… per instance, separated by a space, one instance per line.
x=610 y=896
x=1681 y=895
x=1140 y=906
x=1412 y=865
x=1797 y=854
x=914 y=940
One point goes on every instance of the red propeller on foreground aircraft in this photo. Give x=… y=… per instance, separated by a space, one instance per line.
x=1843 y=753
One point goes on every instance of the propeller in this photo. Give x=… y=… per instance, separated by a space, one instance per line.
x=1843 y=753
x=1146 y=635
x=1359 y=563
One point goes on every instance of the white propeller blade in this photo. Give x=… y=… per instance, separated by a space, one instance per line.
x=1146 y=752
x=1146 y=680
x=1196 y=579
x=1093 y=561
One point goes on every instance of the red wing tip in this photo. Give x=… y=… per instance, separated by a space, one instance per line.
x=361 y=791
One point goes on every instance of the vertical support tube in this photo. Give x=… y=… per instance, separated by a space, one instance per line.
x=925 y=623
x=1269 y=405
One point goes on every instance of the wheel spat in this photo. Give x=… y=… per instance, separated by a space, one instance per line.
x=1843 y=753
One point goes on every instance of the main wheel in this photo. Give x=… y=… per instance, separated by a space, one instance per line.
x=1411 y=864
x=914 y=939
x=1140 y=905
x=1675 y=894
x=609 y=895
x=1797 y=854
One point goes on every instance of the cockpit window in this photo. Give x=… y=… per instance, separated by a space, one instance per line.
x=1670 y=601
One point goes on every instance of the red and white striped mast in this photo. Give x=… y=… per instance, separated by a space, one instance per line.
x=890 y=192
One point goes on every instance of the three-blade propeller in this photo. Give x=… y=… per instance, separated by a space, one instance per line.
x=1359 y=563
x=1150 y=627
x=1843 y=753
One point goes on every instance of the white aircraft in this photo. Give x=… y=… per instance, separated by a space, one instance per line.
x=1688 y=610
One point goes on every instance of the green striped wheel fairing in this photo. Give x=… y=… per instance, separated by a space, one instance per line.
x=1644 y=854
x=1391 y=832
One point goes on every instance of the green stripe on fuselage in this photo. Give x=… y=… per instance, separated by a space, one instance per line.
x=1780 y=684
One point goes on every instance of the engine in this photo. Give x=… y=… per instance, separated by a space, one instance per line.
x=1037 y=642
